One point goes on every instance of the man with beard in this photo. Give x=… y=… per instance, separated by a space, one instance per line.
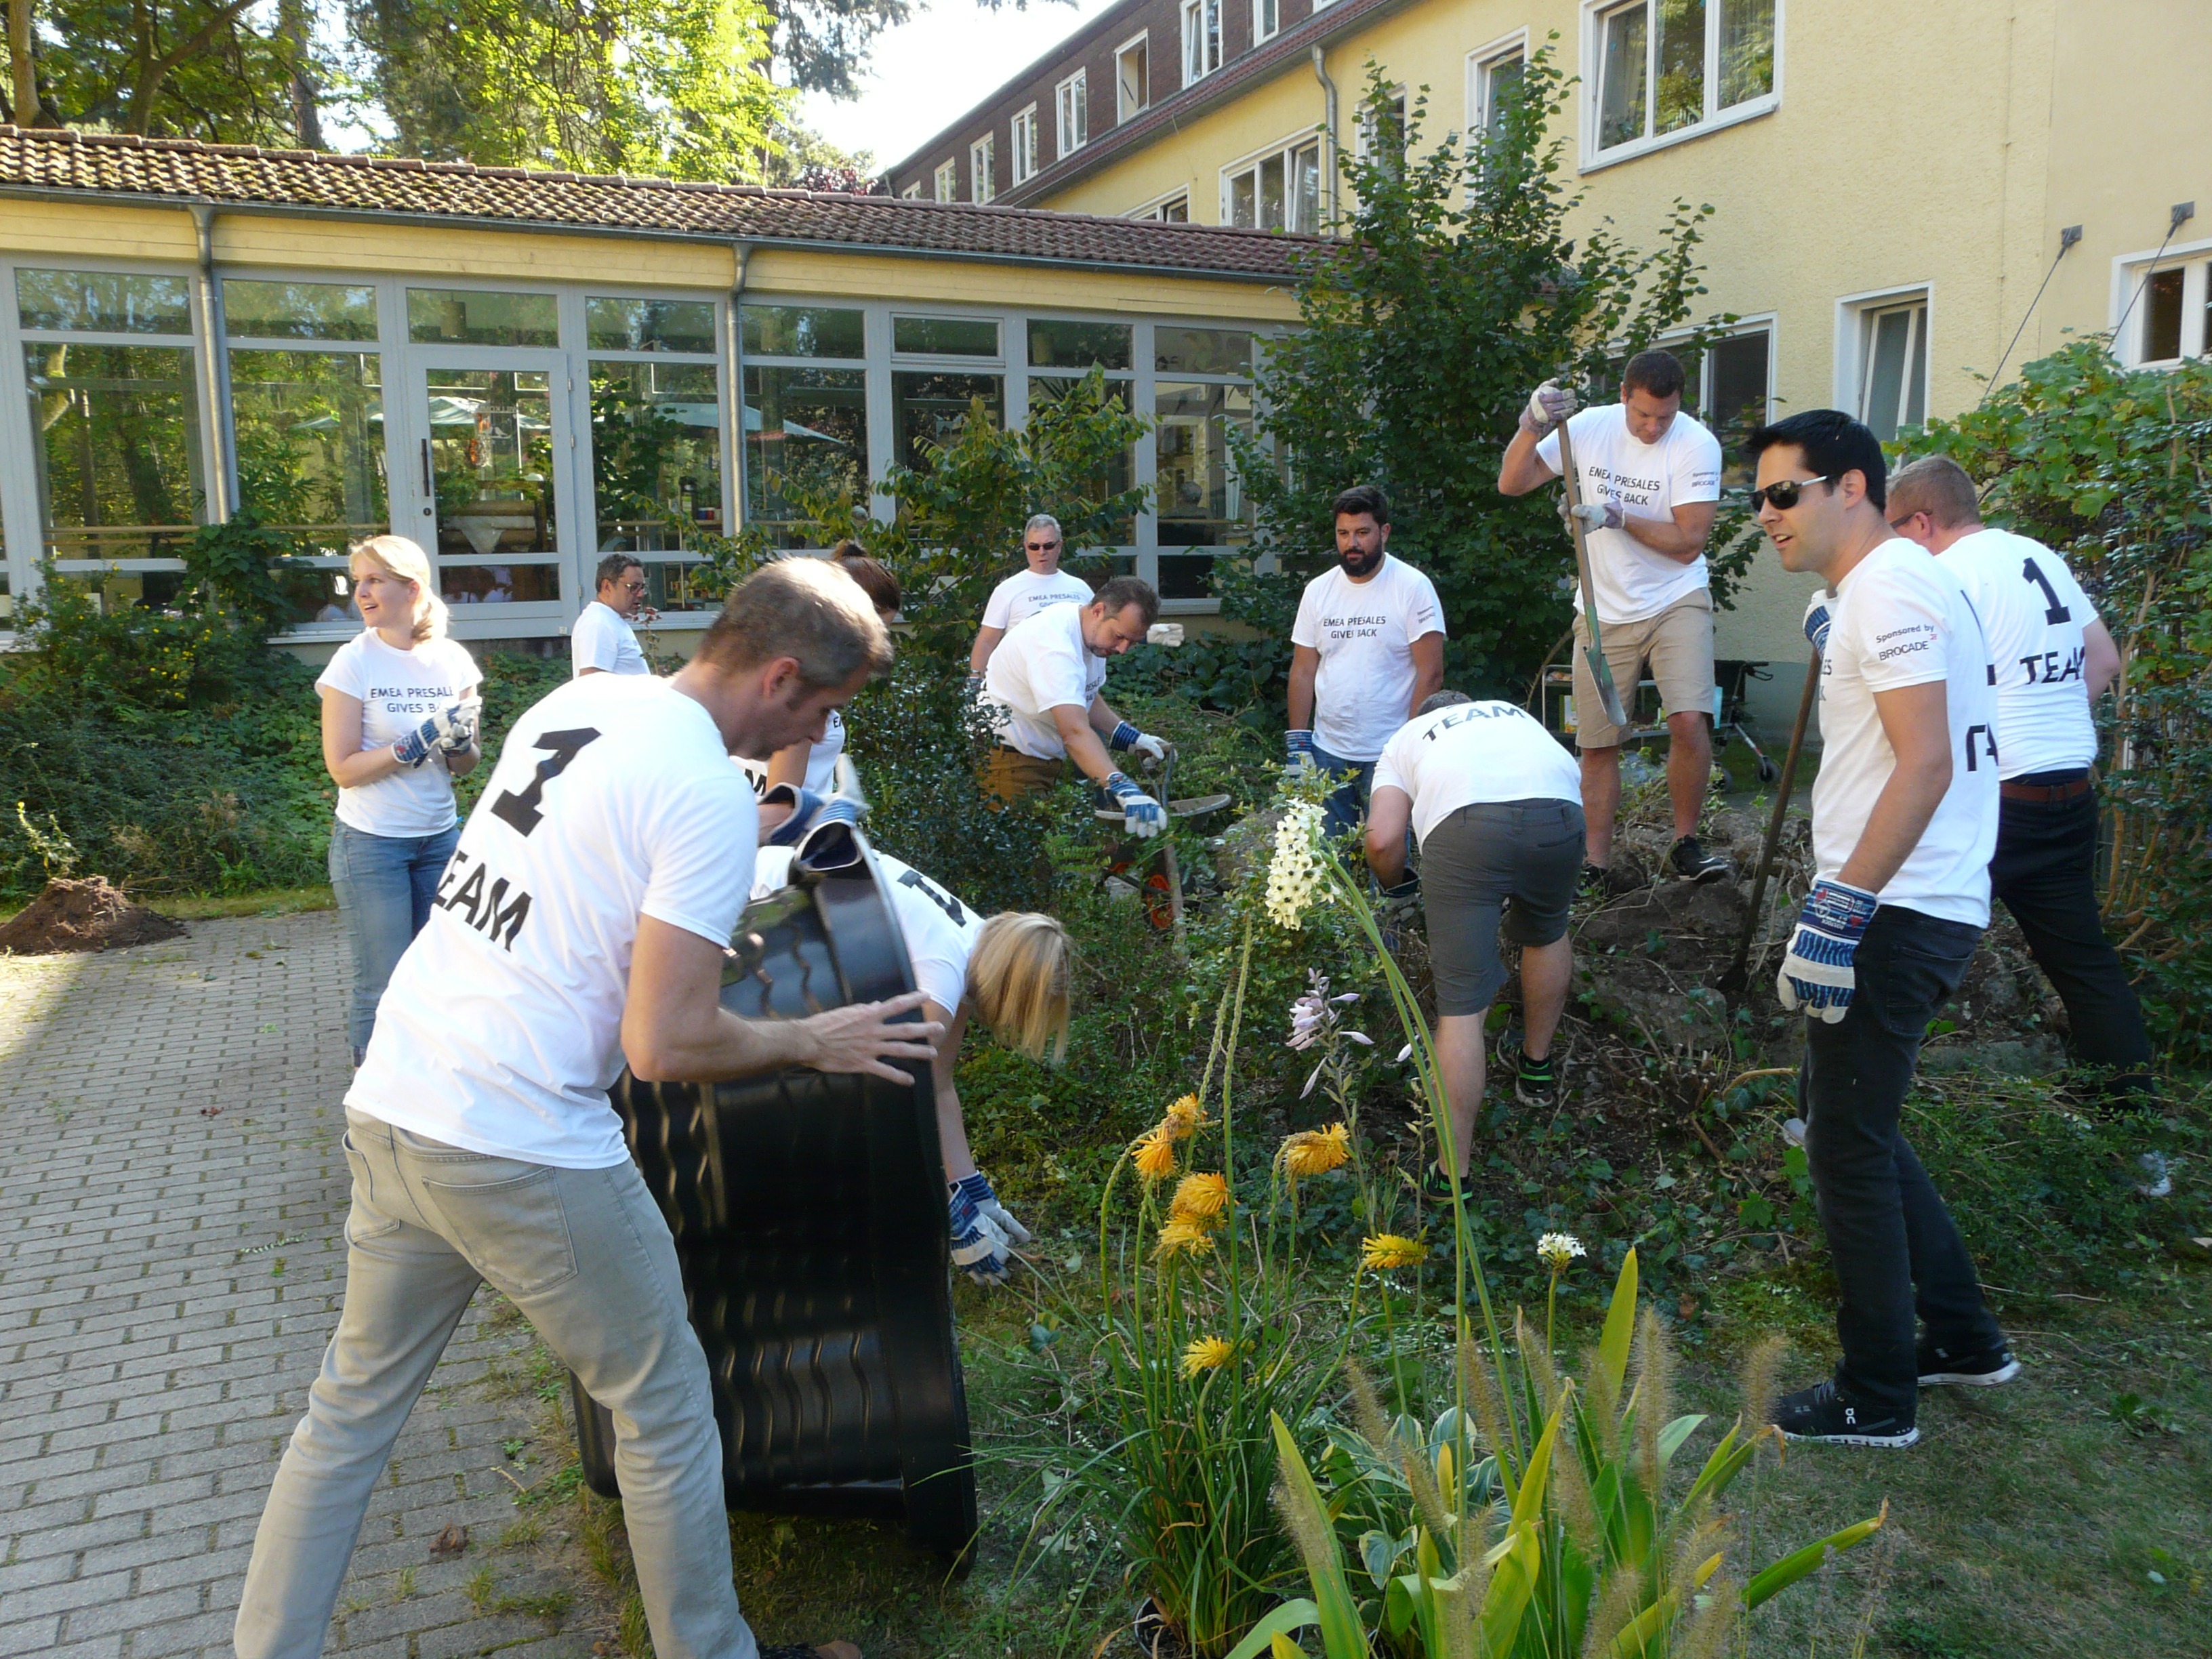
x=1366 y=651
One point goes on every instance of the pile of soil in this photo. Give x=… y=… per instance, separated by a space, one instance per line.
x=84 y=915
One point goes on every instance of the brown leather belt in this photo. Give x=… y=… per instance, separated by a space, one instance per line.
x=2046 y=794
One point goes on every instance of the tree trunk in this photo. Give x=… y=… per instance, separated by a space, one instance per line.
x=22 y=72
x=292 y=25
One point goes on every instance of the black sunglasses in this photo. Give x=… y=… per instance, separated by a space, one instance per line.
x=1785 y=493
x=1041 y=547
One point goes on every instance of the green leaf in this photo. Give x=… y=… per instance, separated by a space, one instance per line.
x=1791 y=1568
x=1672 y=1437
x=1620 y=1325
x=1300 y=1614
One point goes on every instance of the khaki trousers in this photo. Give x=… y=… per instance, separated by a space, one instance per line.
x=1010 y=774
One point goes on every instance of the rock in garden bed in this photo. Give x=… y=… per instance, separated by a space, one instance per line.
x=92 y=915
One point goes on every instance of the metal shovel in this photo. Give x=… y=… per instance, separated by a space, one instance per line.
x=1594 y=653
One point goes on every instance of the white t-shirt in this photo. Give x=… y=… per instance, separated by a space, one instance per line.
x=2032 y=612
x=940 y=931
x=603 y=639
x=1629 y=580
x=501 y=1031
x=1024 y=593
x=1365 y=632
x=1903 y=619
x=398 y=691
x=1475 y=752
x=1041 y=665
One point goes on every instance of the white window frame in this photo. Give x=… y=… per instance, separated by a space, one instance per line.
x=2130 y=271
x=1592 y=94
x=1284 y=148
x=1197 y=62
x=1022 y=155
x=1403 y=93
x=947 y=180
x=1768 y=323
x=1263 y=29
x=1071 y=111
x=1852 y=313
x=1123 y=110
x=1479 y=64
x=912 y=192
x=982 y=160
x=1153 y=209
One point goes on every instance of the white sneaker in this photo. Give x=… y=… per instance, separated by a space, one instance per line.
x=1793 y=1131
x=2157 y=1180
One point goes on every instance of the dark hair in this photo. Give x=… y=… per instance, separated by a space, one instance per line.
x=1938 y=486
x=1833 y=443
x=1118 y=593
x=877 y=582
x=801 y=609
x=1659 y=373
x=612 y=569
x=1437 y=700
x=1363 y=498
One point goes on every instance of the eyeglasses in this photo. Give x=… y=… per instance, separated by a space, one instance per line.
x=1042 y=547
x=1784 y=493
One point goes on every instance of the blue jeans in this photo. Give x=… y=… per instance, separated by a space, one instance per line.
x=1346 y=805
x=384 y=885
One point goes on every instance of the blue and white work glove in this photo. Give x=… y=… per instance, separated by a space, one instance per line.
x=1298 y=747
x=1548 y=405
x=1141 y=816
x=1818 y=975
x=1599 y=515
x=984 y=1233
x=1818 y=615
x=1128 y=738
x=452 y=729
x=808 y=811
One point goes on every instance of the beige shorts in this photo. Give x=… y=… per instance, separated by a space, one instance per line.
x=1677 y=647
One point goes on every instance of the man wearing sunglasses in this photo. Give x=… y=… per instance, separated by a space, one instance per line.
x=1904 y=818
x=1649 y=486
x=1042 y=584
x=602 y=641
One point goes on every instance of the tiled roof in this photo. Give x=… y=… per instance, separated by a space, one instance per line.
x=39 y=162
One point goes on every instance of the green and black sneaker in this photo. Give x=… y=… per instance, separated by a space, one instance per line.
x=1535 y=1083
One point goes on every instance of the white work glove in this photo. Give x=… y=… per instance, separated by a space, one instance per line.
x=467 y=715
x=977 y=1189
x=1818 y=974
x=450 y=729
x=1817 y=616
x=1128 y=740
x=1141 y=814
x=1298 y=746
x=1548 y=405
x=984 y=1233
x=808 y=811
x=1599 y=515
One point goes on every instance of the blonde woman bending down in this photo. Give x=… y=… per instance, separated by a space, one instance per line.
x=1010 y=972
x=399 y=725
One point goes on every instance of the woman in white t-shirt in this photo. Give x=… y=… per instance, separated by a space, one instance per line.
x=813 y=767
x=399 y=719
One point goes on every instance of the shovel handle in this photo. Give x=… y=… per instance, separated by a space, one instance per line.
x=1781 y=807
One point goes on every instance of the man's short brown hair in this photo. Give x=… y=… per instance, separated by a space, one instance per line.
x=876 y=580
x=1118 y=593
x=1938 y=486
x=1659 y=373
x=805 y=609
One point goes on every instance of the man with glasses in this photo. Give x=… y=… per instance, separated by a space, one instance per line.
x=602 y=641
x=1022 y=595
x=1042 y=686
x=1649 y=487
x=1904 y=818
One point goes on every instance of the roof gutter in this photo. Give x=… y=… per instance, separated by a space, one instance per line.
x=626 y=233
x=1328 y=133
x=212 y=372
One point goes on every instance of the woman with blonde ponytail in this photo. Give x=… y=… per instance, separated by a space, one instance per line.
x=399 y=721
x=1011 y=972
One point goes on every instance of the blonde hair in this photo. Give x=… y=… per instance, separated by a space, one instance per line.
x=405 y=561
x=1018 y=980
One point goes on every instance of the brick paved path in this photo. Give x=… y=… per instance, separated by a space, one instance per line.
x=167 y=1282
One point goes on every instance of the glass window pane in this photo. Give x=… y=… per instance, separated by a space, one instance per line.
x=465 y=317
x=806 y=433
x=1057 y=344
x=491 y=449
x=1737 y=372
x=104 y=299
x=1201 y=351
x=928 y=410
x=1746 y=66
x=2161 y=301
x=1620 y=98
x=498 y=584
x=945 y=337
x=656 y=454
x=649 y=324
x=309 y=427
x=1200 y=502
x=298 y=310
x=1244 y=199
x=1681 y=102
x=803 y=332
x=1889 y=341
x=1271 y=192
x=118 y=456
x=1121 y=474
x=1915 y=374
x=1306 y=192
x=1505 y=76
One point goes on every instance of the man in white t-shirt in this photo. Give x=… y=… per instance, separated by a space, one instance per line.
x=602 y=641
x=1649 y=486
x=2053 y=659
x=1366 y=650
x=585 y=916
x=1043 y=687
x=1904 y=818
x=1025 y=593
x=1495 y=803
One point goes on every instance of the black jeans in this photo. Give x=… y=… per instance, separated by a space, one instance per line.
x=2046 y=873
x=1892 y=1240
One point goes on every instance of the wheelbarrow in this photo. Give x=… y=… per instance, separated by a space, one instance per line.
x=808 y=1212
x=1162 y=889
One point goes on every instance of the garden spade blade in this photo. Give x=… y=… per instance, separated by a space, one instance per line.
x=1594 y=654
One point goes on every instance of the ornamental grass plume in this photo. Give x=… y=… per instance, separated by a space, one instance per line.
x=1154 y=1154
x=1382 y=1251
x=1202 y=1199
x=1294 y=874
x=1314 y=1151
x=1207 y=1353
x=1185 y=1238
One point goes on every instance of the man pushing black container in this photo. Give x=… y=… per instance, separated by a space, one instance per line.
x=584 y=916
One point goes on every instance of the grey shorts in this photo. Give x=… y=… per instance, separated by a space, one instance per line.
x=1529 y=852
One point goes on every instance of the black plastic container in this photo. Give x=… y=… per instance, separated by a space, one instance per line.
x=809 y=1217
